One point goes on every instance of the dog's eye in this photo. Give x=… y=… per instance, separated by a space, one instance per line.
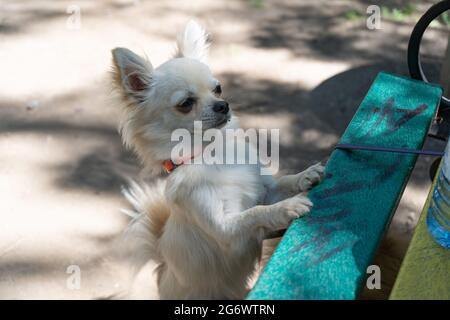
x=218 y=90
x=186 y=106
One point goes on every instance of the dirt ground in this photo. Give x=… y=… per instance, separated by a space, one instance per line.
x=300 y=66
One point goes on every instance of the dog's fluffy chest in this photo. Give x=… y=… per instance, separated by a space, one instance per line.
x=239 y=187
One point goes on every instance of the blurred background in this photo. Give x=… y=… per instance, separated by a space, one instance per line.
x=300 y=66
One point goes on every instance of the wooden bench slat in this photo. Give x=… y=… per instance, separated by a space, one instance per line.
x=325 y=254
x=425 y=271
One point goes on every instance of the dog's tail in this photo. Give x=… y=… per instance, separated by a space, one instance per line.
x=149 y=216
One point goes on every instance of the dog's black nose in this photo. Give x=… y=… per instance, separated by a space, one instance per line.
x=221 y=107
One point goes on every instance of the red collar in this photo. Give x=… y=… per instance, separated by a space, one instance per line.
x=169 y=165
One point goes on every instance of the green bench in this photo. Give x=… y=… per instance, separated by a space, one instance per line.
x=425 y=271
x=325 y=255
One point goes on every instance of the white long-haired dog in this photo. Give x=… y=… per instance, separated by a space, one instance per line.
x=204 y=224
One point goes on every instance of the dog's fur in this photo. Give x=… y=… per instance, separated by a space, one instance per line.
x=203 y=224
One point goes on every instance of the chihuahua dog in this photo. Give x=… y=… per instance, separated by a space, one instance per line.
x=204 y=223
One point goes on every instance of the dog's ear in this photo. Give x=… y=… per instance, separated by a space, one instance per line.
x=131 y=73
x=193 y=42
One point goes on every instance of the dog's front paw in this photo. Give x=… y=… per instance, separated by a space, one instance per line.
x=290 y=209
x=310 y=177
